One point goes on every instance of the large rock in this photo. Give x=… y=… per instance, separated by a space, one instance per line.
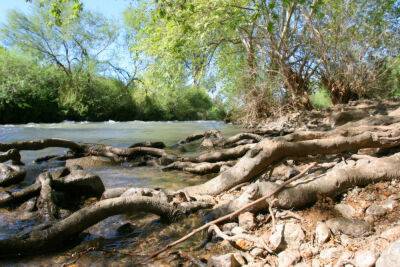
x=90 y=162
x=353 y=228
x=390 y=257
x=79 y=182
x=276 y=238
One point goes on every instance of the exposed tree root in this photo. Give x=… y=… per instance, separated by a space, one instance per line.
x=13 y=155
x=242 y=136
x=223 y=155
x=268 y=152
x=198 y=168
x=64 y=230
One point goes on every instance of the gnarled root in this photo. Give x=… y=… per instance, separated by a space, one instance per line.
x=267 y=152
x=223 y=155
x=61 y=231
x=13 y=155
x=335 y=182
x=198 y=168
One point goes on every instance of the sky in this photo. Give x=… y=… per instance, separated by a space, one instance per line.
x=110 y=8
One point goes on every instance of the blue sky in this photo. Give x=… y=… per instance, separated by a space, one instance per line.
x=110 y=8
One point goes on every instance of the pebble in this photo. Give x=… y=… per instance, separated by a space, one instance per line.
x=364 y=258
x=376 y=210
x=322 y=233
x=331 y=253
x=391 y=233
x=390 y=257
x=247 y=220
x=288 y=258
x=227 y=260
x=276 y=239
x=345 y=210
x=293 y=235
x=256 y=252
x=353 y=228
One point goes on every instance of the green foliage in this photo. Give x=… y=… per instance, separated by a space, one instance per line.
x=321 y=99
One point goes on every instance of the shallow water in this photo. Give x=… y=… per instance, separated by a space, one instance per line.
x=109 y=244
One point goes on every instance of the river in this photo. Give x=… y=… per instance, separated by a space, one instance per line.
x=103 y=243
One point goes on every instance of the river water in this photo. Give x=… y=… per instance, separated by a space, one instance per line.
x=103 y=243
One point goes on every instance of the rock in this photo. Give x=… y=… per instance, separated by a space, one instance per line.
x=331 y=253
x=11 y=174
x=80 y=182
x=167 y=159
x=256 y=252
x=390 y=257
x=291 y=173
x=227 y=228
x=364 y=258
x=345 y=240
x=344 y=259
x=227 y=260
x=293 y=235
x=276 y=239
x=389 y=204
x=345 y=210
x=322 y=232
x=90 y=162
x=353 y=228
x=391 y=233
x=246 y=220
x=315 y=263
x=288 y=258
x=376 y=210
x=244 y=244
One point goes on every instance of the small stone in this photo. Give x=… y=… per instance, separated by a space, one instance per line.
x=307 y=251
x=389 y=204
x=391 y=233
x=276 y=239
x=345 y=240
x=375 y=210
x=345 y=210
x=369 y=219
x=390 y=257
x=288 y=258
x=227 y=228
x=364 y=258
x=207 y=143
x=244 y=244
x=322 y=232
x=246 y=220
x=227 y=260
x=256 y=252
x=315 y=263
x=329 y=254
x=293 y=235
x=344 y=258
x=353 y=228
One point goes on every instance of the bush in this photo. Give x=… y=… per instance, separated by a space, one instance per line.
x=28 y=93
x=321 y=99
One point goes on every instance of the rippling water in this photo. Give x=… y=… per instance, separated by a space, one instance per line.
x=110 y=244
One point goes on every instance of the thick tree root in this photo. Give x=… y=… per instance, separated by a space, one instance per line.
x=61 y=231
x=223 y=155
x=198 y=168
x=13 y=155
x=268 y=152
x=336 y=181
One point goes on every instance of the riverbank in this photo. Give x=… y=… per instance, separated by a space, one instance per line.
x=328 y=181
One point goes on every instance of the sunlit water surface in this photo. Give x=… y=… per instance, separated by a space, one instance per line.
x=110 y=246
